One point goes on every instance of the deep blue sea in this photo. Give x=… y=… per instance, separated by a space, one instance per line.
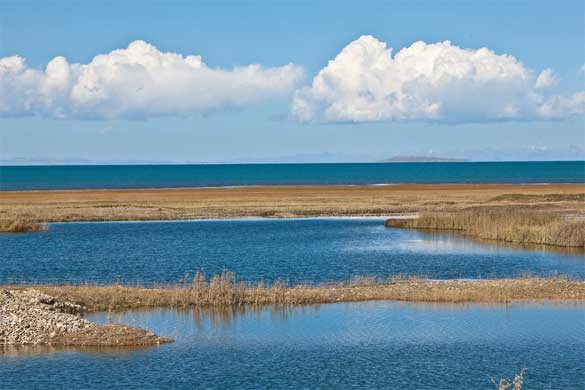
x=366 y=345
x=309 y=250
x=159 y=176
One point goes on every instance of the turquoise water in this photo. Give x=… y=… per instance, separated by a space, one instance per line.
x=299 y=250
x=137 y=176
x=368 y=345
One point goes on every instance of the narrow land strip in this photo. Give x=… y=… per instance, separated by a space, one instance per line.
x=224 y=290
x=503 y=223
x=280 y=201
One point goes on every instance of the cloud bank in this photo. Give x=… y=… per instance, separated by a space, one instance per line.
x=434 y=82
x=137 y=82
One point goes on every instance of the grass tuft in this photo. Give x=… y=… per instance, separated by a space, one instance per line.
x=511 y=384
x=20 y=226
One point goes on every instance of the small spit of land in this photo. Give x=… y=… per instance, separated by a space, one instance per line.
x=507 y=224
x=225 y=290
x=33 y=318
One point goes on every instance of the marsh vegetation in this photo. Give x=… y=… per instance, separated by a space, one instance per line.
x=508 y=223
x=226 y=290
x=20 y=226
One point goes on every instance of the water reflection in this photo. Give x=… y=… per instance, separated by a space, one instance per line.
x=23 y=351
x=451 y=241
x=367 y=345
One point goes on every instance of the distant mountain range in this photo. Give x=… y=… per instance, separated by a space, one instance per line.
x=422 y=159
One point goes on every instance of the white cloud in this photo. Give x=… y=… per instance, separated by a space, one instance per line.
x=136 y=82
x=558 y=107
x=437 y=82
x=546 y=79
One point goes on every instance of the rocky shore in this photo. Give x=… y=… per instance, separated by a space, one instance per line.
x=29 y=317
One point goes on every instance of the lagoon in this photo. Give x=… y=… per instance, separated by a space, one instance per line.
x=312 y=250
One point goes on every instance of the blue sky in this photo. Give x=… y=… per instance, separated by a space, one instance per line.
x=260 y=119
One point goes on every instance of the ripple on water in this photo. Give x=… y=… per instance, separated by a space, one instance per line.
x=313 y=250
x=349 y=345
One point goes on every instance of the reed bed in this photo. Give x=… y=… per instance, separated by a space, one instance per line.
x=20 y=226
x=511 y=384
x=225 y=290
x=510 y=224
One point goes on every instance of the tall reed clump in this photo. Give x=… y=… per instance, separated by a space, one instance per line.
x=20 y=226
x=504 y=224
x=514 y=384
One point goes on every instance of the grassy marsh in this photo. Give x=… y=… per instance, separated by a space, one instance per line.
x=507 y=223
x=20 y=226
x=226 y=290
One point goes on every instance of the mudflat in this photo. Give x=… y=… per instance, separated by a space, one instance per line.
x=282 y=201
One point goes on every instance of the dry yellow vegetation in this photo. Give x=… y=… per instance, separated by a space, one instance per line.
x=19 y=226
x=509 y=224
x=224 y=290
x=280 y=201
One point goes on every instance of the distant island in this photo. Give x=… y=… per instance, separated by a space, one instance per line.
x=397 y=159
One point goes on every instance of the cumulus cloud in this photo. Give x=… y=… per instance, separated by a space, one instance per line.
x=136 y=82
x=546 y=79
x=436 y=82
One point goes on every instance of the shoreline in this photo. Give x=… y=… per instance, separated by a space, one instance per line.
x=252 y=186
x=29 y=317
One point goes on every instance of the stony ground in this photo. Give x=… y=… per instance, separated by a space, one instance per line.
x=29 y=317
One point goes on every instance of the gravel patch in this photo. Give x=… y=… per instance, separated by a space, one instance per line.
x=29 y=317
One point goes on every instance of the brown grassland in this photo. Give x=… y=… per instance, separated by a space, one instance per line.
x=225 y=290
x=281 y=201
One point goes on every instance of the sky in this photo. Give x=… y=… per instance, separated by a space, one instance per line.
x=290 y=81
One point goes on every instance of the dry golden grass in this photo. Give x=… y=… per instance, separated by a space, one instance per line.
x=509 y=224
x=20 y=226
x=511 y=384
x=224 y=290
x=536 y=198
x=279 y=201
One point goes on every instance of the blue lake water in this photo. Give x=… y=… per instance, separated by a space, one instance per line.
x=137 y=176
x=299 y=250
x=368 y=345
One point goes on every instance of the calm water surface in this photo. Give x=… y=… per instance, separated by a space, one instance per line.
x=372 y=345
x=311 y=250
x=141 y=176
